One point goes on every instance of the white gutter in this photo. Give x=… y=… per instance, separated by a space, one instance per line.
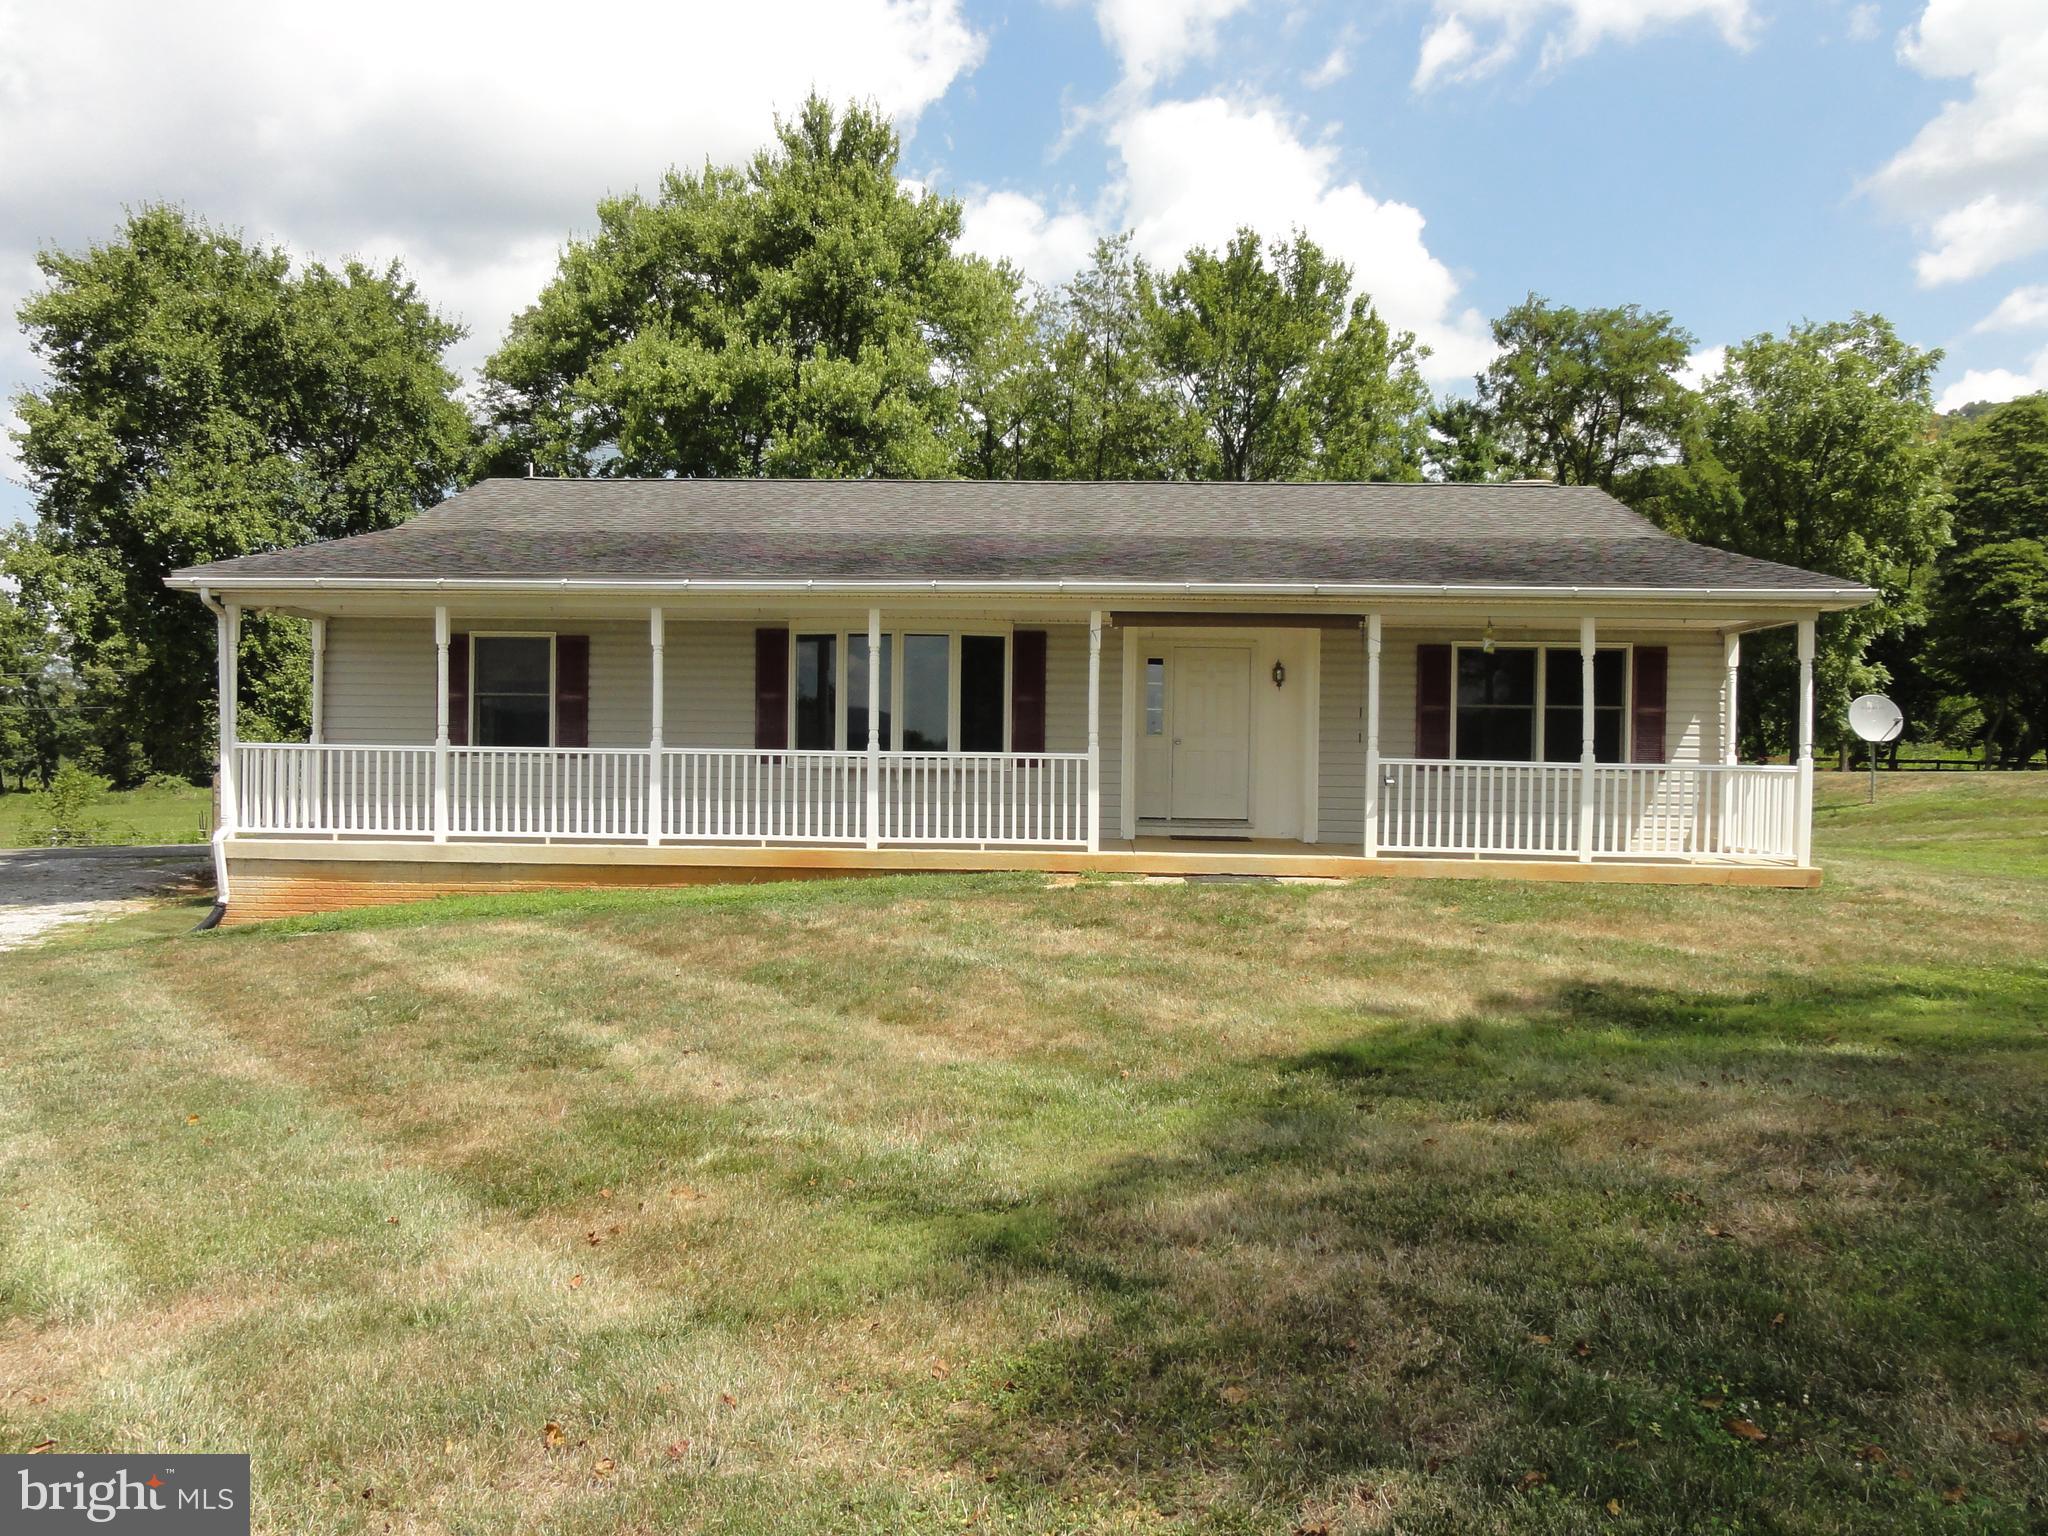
x=1068 y=586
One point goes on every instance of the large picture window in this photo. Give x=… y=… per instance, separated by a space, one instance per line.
x=939 y=692
x=1520 y=704
x=512 y=690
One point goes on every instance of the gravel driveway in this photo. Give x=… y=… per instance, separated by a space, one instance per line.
x=45 y=888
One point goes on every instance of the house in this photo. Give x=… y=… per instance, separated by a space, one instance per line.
x=557 y=682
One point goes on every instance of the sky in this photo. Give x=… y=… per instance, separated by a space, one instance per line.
x=1743 y=164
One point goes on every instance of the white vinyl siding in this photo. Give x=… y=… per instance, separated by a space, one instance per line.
x=1066 y=707
x=1340 y=751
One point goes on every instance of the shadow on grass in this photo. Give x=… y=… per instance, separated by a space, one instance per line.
x=1501 y=1271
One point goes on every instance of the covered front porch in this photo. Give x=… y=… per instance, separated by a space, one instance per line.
x=1097 y=723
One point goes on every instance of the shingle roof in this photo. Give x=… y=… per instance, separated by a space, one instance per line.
x=1086 y=532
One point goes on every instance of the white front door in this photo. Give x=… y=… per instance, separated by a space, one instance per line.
x=1211 y=711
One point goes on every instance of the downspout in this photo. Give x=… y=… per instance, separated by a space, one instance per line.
x=219 y=839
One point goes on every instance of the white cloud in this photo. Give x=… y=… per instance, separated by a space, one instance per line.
x=1050 y=247
x=1335 y=66
x=1193 y=171
x=1974 y=174
x=1865 y=22
x=1154 y=38
x=1986 y=233
x=1472 y=38
x=1703 y=365
x=470 y=145
x=2024 y=309
x=1995 y=384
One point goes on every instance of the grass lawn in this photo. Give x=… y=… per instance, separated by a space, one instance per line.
x=978 y=1205
x=147 y=815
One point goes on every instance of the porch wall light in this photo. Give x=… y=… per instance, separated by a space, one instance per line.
x=1279 y=674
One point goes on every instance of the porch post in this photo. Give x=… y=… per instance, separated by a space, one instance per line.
x=318 y=733
x=1731 y=660
x=1586 y=787
x=1803 y=836
x=1372 y=736
x=1095 y=731
x=441 y=722
x=873 y=812
x=228 y=631
x=656 y=639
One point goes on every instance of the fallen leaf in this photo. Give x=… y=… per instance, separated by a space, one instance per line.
x=1582 y=1349
x=941 y=1370
x=1998 y=1436
x=1874 y=1454
x=39 y=1447
x=1742 y=1429
x=575 y=1282
x=551 y=1434
x=1777 y=1320
x=1718 y=1232
x=1712 y=1400
x=1539 y=1338
x=677 y=1449
x=1233 y=1395
x=1351 y=1346
x=390 y=1221
x=1614 y=1506
x=191 y=1119
x=728 y=1400
x=604 y=1194
x=592 y=1238
x=1955 y=1495
x=1530 y=1480
x=604 y=1466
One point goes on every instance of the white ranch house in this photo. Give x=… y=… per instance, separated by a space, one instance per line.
x=614 y=681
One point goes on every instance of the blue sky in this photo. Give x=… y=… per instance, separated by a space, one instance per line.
x=1744 y=164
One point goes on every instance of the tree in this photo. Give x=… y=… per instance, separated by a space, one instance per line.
x=1817 y=449
x=1287 y=377
x=792 y=318
x=205 y=400
x=1099 y=408
x=1585 y=397
x=1990 y=629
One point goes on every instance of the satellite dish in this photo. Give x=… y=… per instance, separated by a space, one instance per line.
x=1876 y=718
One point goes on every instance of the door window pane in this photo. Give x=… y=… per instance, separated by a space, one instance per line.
x=981 y=693
x=926 y=693
x=511 y=690
x=1155 y=696
x=1497 y=705
x=1561 y=693
x=857 y=694
x=817 y=679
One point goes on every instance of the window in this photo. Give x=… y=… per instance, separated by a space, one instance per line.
x=857 y=693
x=512 y=690
x=939 y=692
x=1155 y=695
x=1497 y=705
x=816 y=695
x=982 y=693
x=927 y=693
x=1520 y=704
x=1561 y=694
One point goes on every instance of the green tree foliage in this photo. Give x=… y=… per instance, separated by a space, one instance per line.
x=805 y=316
x=204 y=400
x=1990 y=626
x=1582 y=396
x=1817 y=449
x=39 y=718
x=1098 y=406
x=1285 y=377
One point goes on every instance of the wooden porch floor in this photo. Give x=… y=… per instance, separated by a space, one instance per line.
x=278 y=877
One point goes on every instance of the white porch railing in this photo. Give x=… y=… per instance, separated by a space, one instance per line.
x=705 y=794
x=1642 y=810
x=583 y=792
x=371 y=791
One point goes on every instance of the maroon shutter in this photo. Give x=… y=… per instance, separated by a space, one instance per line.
x=1432 y=701
x=1652 y=672
x=1027 y=691
x=458 y=690
x=771 y=689
x=572 y=690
